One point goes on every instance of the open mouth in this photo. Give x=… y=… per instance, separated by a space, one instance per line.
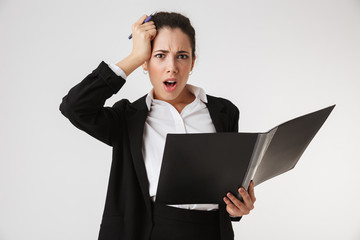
x=170 y=85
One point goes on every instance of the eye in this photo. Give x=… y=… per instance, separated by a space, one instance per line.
x=183 y=56
x=159 y=55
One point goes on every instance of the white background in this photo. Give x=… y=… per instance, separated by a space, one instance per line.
x=275 y=59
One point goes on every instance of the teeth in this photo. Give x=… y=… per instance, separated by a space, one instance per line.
x=170 y=81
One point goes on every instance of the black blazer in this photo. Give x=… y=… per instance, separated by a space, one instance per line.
x=127 y=213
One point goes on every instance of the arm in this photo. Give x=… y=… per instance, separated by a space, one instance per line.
x=84 y=104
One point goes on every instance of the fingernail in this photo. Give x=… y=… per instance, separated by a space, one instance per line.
x=229 y=194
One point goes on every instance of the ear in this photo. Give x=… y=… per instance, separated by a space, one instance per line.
x=193 y=62
x=144 y=66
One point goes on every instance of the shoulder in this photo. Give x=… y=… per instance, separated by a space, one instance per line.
x=125 y=104
x=225 y=104
x=122 y=104
x=224 y=109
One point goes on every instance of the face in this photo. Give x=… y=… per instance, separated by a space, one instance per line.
x=170 y=64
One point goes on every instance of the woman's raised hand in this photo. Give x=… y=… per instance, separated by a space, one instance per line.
x=142 y=34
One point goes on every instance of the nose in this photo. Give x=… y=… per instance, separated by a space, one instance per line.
x=171 y=66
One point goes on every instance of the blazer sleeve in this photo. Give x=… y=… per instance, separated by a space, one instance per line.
x=84 y=104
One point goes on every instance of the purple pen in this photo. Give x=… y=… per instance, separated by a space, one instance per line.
x=146 y=20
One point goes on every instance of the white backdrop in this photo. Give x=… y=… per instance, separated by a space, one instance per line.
x=275 y=59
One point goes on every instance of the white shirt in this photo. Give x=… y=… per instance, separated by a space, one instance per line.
x=162 y=119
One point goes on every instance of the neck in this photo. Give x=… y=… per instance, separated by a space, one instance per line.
x=179 y=103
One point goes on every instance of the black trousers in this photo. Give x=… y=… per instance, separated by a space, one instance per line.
x=170 y=223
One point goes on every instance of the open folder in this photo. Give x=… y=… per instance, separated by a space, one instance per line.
x=203 y=167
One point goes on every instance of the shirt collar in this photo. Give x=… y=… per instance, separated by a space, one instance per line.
x=197 y=91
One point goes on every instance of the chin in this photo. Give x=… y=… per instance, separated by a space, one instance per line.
x=167 y=96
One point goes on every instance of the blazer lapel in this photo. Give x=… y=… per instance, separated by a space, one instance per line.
x=219 y=118
x=136 y=118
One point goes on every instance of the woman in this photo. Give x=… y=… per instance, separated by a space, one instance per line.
x=165 y=47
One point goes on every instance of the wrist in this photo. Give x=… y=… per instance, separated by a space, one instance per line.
x=130 y=64
x=136 y=59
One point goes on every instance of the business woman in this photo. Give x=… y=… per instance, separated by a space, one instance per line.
x=165 y=48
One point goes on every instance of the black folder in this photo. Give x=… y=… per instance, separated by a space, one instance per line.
x=203 y=167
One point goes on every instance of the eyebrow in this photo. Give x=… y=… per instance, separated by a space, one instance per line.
x=167 y=51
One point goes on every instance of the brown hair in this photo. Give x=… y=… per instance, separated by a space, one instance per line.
x=175 y=20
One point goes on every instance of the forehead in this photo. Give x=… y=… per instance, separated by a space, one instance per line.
x=171 y=39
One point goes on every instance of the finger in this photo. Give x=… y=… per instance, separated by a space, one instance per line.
x=251 y=191
x=152 y=33
x=231 y=208
x=148 y=26
x=141 y=20
x=150 y=23
x=241 y=206
x=147 y=31
x=247 y=199
x=235 y=210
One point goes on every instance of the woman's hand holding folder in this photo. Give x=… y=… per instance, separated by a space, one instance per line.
x=237 y=208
